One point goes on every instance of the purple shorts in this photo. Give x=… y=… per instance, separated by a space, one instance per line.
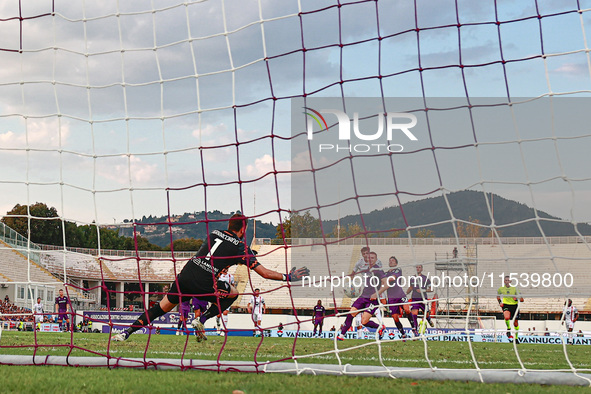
x=418 y=305
x=362 y=303
x=184 y=309
x=63 y=316
x=318 y=320
x=396 y=309
x=199 y=305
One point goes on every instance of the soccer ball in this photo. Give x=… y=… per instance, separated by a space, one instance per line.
x=353 y=292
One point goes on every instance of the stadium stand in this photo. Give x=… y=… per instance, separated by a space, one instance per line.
x=528 y=257
x=494 y=261
x=84 y=266
x=15 y=267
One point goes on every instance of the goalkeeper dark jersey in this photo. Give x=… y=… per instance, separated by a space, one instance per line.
x=221 y=249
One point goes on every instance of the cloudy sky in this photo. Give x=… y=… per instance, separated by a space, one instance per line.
x=115 y=110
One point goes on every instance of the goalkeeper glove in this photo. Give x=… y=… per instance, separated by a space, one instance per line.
x=296 y=275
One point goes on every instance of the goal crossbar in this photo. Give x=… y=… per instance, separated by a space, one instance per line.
x=482 y=375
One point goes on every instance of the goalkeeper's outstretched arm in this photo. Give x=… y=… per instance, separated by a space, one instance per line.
x=293 y=276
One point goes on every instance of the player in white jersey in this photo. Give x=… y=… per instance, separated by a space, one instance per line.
x=229 y=278
x=571 y=315
x=359 y=326
x=362 y=265
x=38 y=311
x=256 y=307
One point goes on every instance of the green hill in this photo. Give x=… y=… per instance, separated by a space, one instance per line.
x=191 y=225
x=512 y=218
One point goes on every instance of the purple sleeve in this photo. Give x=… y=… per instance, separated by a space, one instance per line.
x=394 y=291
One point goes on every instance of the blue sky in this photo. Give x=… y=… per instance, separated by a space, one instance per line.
x=102 y=134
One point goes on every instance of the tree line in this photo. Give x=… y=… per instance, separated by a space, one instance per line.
x=304 y=225
x=47 y=228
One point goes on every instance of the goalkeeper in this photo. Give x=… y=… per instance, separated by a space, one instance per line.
x=509 y=298
x=200 y=277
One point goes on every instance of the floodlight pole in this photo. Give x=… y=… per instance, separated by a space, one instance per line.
x=254 y=209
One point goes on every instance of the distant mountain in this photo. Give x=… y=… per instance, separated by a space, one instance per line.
x=190 y=225
x=464 y=205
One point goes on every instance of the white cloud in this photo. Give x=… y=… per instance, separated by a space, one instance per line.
x=264 y=165
x=7 y=138
x=215 y=136
x=168 y=86
x=40 y=133
x=210 y=130
x=573 y=69
x=142 y=173
x=301 y=161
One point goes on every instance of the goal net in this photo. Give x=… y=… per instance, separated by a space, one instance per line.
x=451 y=135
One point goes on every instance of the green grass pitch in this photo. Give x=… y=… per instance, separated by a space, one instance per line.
x=397 y=354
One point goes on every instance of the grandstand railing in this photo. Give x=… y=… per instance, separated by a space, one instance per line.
x=17 y=241
x=142 y=254
x=427 y=241
x=150 y=254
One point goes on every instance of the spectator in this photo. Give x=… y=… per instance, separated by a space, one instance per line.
x=6 y=308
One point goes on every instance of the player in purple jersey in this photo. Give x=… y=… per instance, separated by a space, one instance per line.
x=200 y=277
x=367 y=301
x=396 y=297
x=199 y=308
x=319 y=313
x=184 y=310
x=62 y=307
x=393 y=263
x=420 y=285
